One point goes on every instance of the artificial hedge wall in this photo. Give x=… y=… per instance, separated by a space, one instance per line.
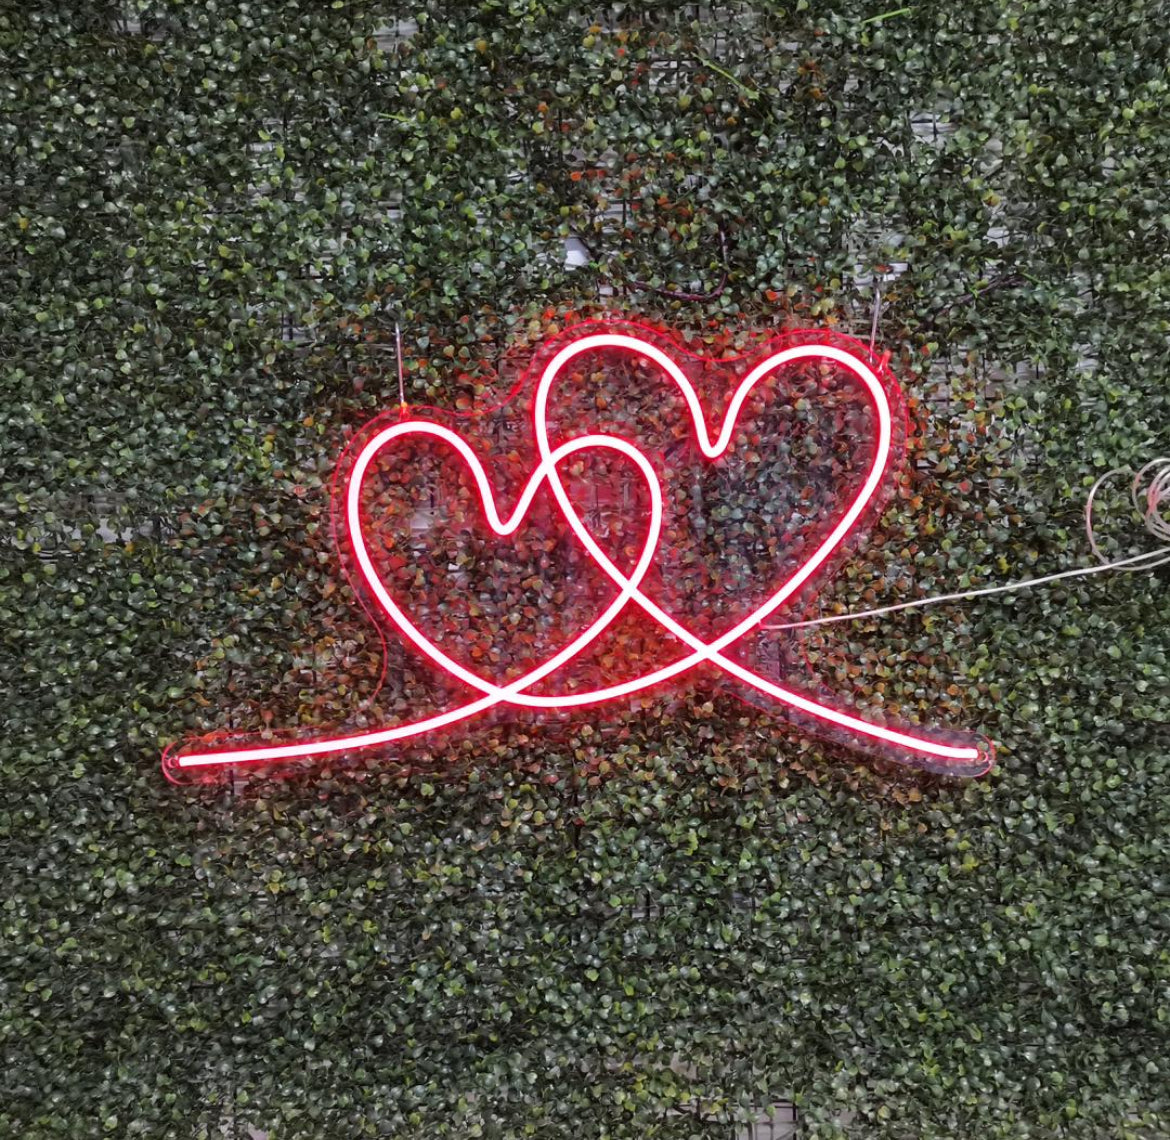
x=213 y=215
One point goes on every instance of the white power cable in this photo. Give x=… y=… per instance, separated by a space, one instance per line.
x=1152 y=503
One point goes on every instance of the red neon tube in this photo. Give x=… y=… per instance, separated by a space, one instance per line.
x=964 y=757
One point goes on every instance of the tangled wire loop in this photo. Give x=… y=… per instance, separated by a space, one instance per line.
x=1150 y=493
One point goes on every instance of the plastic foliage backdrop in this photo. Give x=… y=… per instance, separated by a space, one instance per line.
x=666 y=920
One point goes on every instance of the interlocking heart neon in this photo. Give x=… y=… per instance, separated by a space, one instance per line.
x=600 y=342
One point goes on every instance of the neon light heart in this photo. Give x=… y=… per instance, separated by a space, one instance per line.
x=967 y=756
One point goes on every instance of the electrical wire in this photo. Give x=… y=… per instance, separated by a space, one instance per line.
x=1150 y=494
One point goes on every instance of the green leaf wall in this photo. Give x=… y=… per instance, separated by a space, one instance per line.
x=211 y=215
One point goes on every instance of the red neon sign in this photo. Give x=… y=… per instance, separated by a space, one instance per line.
x=966 y=756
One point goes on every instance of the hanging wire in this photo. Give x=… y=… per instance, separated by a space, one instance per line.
x=877 y=313
x=398 y=361
x=1150 y=494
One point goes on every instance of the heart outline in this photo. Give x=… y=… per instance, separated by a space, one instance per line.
x=513 y=692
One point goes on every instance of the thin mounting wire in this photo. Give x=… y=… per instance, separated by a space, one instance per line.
x=877 y=313
x=398 y=361
x=1150 y=501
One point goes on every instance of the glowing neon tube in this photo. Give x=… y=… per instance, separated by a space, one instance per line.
x=627 y=586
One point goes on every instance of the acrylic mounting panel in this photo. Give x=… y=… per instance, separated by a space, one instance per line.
x=616 y=530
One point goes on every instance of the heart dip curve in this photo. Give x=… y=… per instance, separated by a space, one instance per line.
x=691 y=650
